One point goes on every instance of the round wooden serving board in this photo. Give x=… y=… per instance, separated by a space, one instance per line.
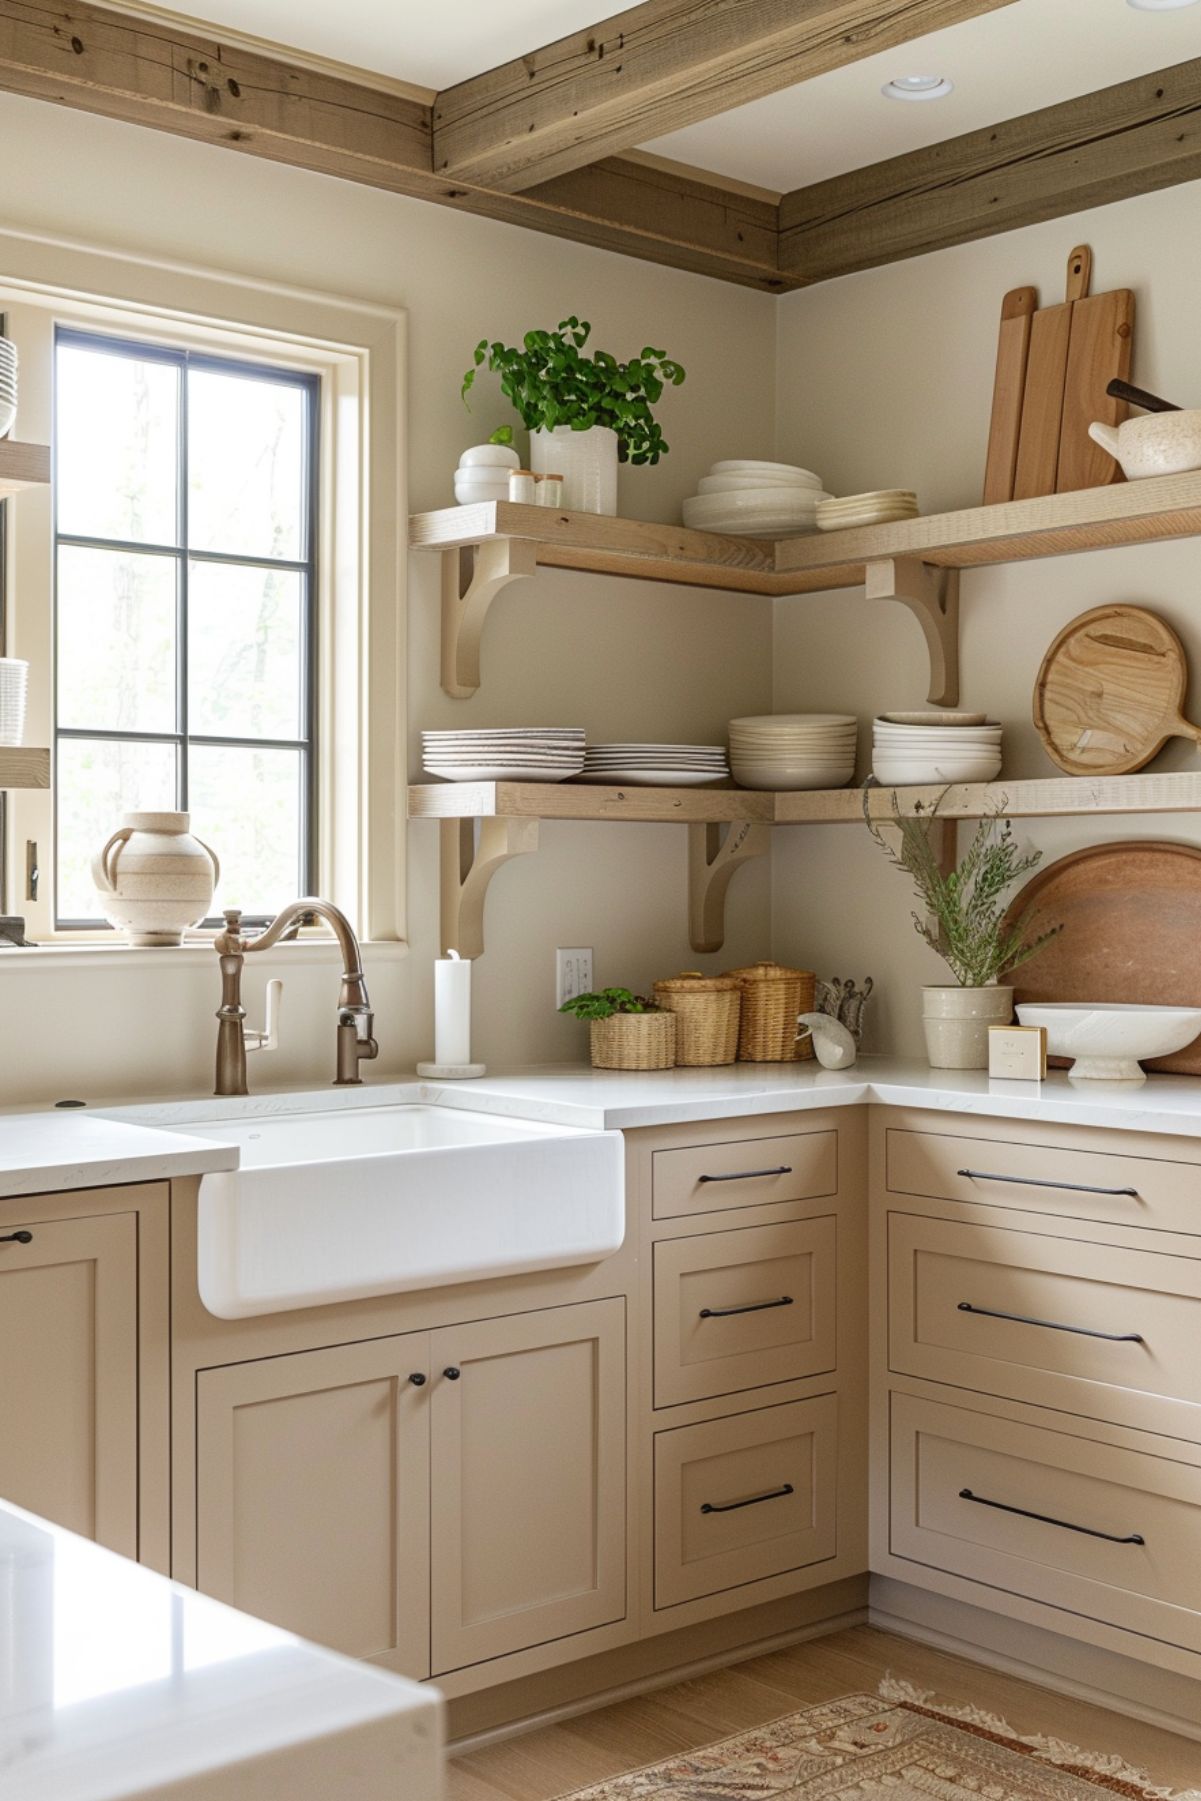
x=1110 y=690
x=1131 y=917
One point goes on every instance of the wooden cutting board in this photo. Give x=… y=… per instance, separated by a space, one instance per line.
x=1102 y=337
x=1046 y=373
x=1131 y=917
x=1110 y=690
x=1013 y=345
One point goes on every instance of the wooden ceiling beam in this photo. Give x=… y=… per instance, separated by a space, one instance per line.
x=146 y=73
x=1110 y=145
x=655 y=68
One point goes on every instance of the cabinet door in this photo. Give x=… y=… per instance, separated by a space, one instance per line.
x=527 y=1427
x=313 y=1495
x=69 y=1352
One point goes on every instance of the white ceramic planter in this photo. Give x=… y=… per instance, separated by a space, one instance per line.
x=587 y=461
x=14 y=688
x=154 y=879
x=956 y=1022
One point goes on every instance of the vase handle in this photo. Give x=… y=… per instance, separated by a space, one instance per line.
x=214 y=859
x=102 y=874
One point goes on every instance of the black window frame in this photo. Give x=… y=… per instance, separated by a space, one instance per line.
x=309 y=384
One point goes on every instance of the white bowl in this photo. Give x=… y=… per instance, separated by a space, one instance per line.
x=470 y=493
x=933 y=719
x=752 y=511
x=733 y=483
x=916 y=772
x=1108 y=1039
x=747 y=465
x=490 y=456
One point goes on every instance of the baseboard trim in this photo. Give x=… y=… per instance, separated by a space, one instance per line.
x=647 y=1681
x=1034 y=1654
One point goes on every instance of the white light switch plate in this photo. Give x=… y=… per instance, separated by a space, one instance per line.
x=573 y=974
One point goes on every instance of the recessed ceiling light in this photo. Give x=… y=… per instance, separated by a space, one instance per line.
x=916 y=87
x=1159 y=6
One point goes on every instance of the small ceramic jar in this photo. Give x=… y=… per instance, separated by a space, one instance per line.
x=522 y=486
x=550 y=490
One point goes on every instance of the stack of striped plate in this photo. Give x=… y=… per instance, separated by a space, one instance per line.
x=884 y=506
x=656 y=765
x=520 y=753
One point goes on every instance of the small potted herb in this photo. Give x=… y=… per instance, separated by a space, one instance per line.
x=626 y=1030
x=964 y=920
x=585 y=414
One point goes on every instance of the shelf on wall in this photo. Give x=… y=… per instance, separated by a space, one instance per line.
x=27 y=767
x=22 y=466
x=729 y=826
x=486 y=546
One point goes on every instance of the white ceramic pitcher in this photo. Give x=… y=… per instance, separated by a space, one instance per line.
x=154 y=879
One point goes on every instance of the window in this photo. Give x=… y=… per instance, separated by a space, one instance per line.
x=185 y=611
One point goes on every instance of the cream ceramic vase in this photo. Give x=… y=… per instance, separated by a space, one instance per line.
x=154 y=879
x=956 y=1022
x=587 y=461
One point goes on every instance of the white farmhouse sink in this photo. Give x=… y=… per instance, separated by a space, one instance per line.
x=376 y=1200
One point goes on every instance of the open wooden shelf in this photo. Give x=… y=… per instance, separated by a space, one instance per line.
x=916 y=561
x=583 y=800
x=22 y=466
x=27 y=767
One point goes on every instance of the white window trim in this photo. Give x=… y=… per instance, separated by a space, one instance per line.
x=358 y=349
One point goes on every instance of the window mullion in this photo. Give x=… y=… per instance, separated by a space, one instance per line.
x=181 y=606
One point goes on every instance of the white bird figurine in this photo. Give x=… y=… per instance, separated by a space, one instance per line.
x=833 y=1043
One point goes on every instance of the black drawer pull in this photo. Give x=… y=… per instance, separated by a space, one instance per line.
x=987 y=1175
x=418 y=1379
x=785 y=1300
x=773 y=1494
x=452 y=1374
x=1052 y=1325
x=21 y=1237
x=1046 y=1519
x=749 y=1175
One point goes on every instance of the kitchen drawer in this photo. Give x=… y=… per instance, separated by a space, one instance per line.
x=748 y=1172
x=743 y=1498
x=741 y=1309
x=1111 y=1534
x=1094 y=1329
x=1075 y=1184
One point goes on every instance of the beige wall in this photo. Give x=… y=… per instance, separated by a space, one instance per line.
x=622 y=659
x=885 y=380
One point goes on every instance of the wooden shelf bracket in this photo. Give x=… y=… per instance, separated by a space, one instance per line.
x=932 y=594
x=472 y=577
x=468 y=866
x=713 y=862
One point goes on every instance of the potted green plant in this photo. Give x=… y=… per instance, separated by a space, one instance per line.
x=585 y=414
x=626 y=1031
x=964 y=921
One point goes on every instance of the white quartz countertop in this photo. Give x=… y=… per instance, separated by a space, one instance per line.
x=115 y=1682
x=41 y=1153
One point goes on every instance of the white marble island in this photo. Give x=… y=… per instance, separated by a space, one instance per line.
x=117 y=1683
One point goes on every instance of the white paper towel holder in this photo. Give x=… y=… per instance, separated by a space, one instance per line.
x=451 y=1072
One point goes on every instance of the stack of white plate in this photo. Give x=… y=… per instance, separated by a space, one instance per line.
x=656 y=765
x=935 y=747
x=8 y=386
x=520 y=753
x=794 y=750
x=884 y=506
x=755 y=500
x=483 y=473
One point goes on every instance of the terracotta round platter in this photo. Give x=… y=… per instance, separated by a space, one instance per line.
x=1131 y=917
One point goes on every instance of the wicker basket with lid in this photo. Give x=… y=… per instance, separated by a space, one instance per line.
x=707 y=1010
x=772 y=996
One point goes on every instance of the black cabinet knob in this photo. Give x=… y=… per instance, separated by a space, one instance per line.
x=27 y=1238
x=452 y=1374
x=417 y=1379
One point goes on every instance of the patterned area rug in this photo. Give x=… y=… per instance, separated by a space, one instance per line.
x=896 y=1746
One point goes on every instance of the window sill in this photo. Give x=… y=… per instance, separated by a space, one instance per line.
x=196 y=952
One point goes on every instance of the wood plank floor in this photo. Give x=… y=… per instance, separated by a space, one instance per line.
x=554 y=1760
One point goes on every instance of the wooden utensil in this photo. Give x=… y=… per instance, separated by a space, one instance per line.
x=1131 y=917
x=1150 y=403
x=1013 y=344
x=1046 y=374
x=1102 y=337
x=1110 y=690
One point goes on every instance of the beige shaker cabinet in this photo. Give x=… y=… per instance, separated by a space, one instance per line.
x=72 y=1332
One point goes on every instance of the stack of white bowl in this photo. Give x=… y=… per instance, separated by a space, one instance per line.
x=909 y=748
x=755 y=500
x=794 y=750
x=483 y=473
x=518 y=753
x=8 y=386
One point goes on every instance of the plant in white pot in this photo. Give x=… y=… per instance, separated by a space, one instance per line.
x=964 y=921
x=585 y=414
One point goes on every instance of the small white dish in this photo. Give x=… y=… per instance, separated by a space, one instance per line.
x=749 y=466
x=1109 y=1040
x=654 y=778
x=939 y=719
x=500 y=772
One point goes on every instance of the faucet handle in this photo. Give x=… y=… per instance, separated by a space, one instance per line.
x=268 y=1038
